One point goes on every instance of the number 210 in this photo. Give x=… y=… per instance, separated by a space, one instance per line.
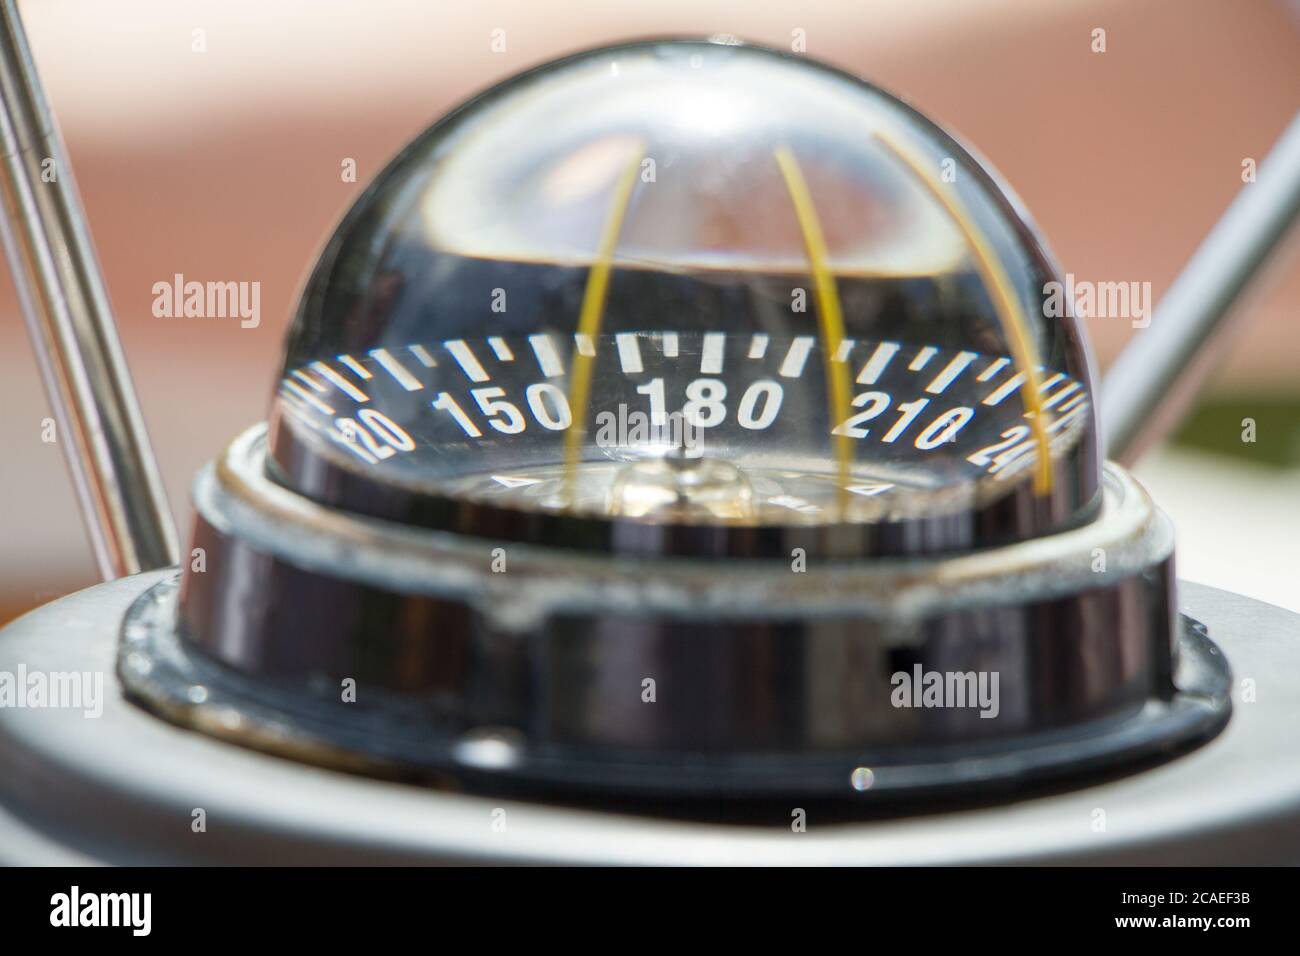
x=874 y=404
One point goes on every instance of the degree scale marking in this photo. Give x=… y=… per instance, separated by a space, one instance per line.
x=1060 y=393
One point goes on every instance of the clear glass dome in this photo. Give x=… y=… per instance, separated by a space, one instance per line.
x=690 y=297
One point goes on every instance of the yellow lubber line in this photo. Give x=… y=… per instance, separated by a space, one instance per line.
x=1012 y=317
x=592 y=313
x=829 y=315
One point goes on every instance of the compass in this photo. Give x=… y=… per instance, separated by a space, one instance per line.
x=681 y=427
x=643 y=430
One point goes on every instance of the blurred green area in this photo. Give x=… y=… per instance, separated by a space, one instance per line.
x=1219 y=424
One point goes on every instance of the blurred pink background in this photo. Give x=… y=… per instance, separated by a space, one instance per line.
x=224 y=164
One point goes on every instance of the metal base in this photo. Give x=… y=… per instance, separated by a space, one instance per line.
x=125 y=788
x=163 y=674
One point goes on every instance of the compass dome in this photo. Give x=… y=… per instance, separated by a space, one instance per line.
x=695 y=284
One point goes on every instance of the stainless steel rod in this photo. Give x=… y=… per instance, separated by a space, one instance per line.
x=61 y=291
x=1153 y=381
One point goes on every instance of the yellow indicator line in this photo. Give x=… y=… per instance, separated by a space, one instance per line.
x=1014 y=323
x=829 y=316
x=593 y=310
